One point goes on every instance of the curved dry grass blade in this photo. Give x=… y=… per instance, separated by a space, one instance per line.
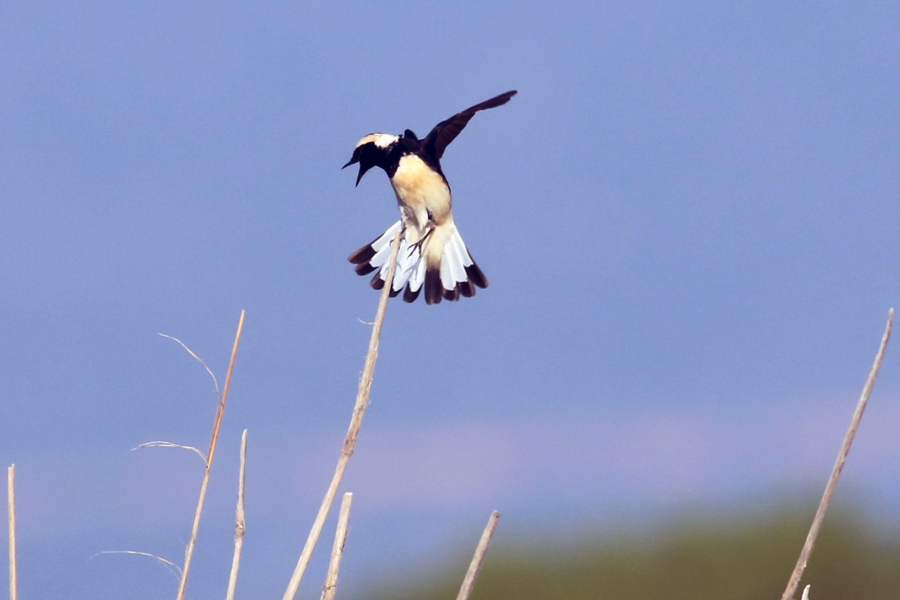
x=468 y=583
x=797 y=573
x=359 y=410
x=164 y=444
x=189 y=551
x=194 y=355
x=171 y=567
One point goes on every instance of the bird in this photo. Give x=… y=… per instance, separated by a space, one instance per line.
x=432 y=255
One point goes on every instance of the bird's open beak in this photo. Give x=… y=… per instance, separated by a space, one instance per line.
x=362 y=168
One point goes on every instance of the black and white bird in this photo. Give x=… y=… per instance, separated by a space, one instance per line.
x=432 y=254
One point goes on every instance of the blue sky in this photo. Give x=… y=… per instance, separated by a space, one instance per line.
x=688 y=217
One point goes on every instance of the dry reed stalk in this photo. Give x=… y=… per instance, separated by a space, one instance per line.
x=359 y=410
x=189 y=551
x=240 y=523
x=337 y=551
x=797 y=573
x=11 y=508
x=468 y=583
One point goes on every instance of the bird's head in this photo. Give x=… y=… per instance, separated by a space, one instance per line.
x=372 y=151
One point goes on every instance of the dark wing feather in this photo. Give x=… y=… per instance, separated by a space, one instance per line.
x=447 y=130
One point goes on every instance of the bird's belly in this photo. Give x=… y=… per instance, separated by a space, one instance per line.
x=421 y=192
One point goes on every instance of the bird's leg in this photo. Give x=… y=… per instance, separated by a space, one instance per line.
x=418 y=245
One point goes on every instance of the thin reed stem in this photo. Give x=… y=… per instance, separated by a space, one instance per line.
x=797 y=573
x=337 y=551
x=468 y=583
x=239 y=522
x=189 y=551
x=11 y=508
x=359 y=410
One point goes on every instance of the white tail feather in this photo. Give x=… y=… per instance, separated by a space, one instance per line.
x=456 y=255
x=407 y=261
x=382 y=248
x=451 y=266
x=418 y=276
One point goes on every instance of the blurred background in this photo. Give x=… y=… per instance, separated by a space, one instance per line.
x=687 y=215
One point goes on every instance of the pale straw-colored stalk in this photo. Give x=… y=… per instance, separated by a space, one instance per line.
x=240 y=524
x=797 y=573
x=11 y=508
x=359 y=410
x=337 y=550
x=468 y=583
x=192 y=542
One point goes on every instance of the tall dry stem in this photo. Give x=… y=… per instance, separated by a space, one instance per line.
x=797 y=573
x=189 y=551
x=468 y=583
x=11 y=508
x=359 y=410
x=240 y=525
x=337 y=551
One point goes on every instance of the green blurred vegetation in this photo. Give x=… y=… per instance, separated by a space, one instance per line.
x=696 y=558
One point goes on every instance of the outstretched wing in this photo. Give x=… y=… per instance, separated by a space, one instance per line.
x=447 y=130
